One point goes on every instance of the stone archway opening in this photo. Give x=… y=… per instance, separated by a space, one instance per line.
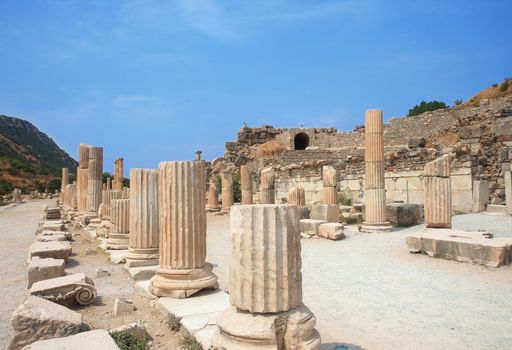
x=301 y=141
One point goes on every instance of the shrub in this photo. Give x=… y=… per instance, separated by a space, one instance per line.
x=344 y=198
x=426 y=107
x=126 y=340
x=237 y=188
x=270 y=148
x=5 y=187
x=504 y=86
x=458 y=102
x=173 y=322
x=192 y=344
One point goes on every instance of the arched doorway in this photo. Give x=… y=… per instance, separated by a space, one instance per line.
x=301 y=141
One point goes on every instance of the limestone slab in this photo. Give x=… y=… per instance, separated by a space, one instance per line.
x=462 y=246
x=56 y=250
x=142 y=272
x=204 y=303
x=40 y=269
x=400 y=214
x=310 y=226
x=331 y=230
x=327 y=212
x=66 y=290
x=96 y=339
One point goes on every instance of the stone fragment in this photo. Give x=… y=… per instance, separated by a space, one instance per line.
x=374 y=186
x=91 y=251
x=403 y=215
x=95 y=179
x=480 y=195
x=246 y=184
x=100 y=273
x=311 y=226
x=227 y=190
x=181 y=201
x=51 y=213
x=118 y=237
x=213 y=197
x=331 y=230
x=57 y=225
x=38 y=319
x=266 y=193
x=438 y=193
x=96 y=339
x=508 y=190
x=330 y=195
x=40 y=269
x=297 y=196
x=57 y=237
x=417 y=142
x=66 y=290
x=327 y=212
x=56 y=250
x=123 y=306
x=117 y=183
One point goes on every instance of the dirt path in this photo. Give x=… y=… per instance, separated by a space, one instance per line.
x=17 y=231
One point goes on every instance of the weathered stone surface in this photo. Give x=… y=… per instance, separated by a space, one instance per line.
x=415 y=142
x=96 y=339
x=266 y=193
x=42 y=269
x=438 y=193
x=213 y=197
x=94 y=187
x=327 y=212
x=310 y=226
x=82 y=184
x=56 y=250
x=51 y=213
x=181 y=200
x=227 y=190
x=297 y=196
x=56 y=225
x=123 y=306
x=66 y=290
x=508 y=190
x=117 y=184
x=118 y=237
x=480 y=195
x=462 y=246
x=246 y=184
x=331 y=230
x=400 y=214
x=439 y=167
x=375 y=192
x=329 y=180
x=57 y=237
x=260 y=234
x=144 y=226
x=38 y=319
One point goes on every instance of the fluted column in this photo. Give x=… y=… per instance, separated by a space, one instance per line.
x=265 y=282
x=297 y=196
x=95 y=179
x=144 y=225
x=118 y=174
x=65 y=179
x=507 y=177
x=375 y=190
x=227 y=190
x=213 y=197
x=120 y=218
x=82 y=173
x=108 y=186
x=246 y=184
x=181 y=201
x=266 y=193
x=106 y=199
x=438 y=193
x=329 y=185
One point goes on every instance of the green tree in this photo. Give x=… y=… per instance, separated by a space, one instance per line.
x=426 y=107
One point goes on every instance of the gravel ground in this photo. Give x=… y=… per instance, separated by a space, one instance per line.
x=18 y=225
x=368 y=292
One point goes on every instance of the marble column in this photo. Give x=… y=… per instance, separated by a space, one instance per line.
x=375 y=190
x=120 y=218
x=265 y=283
x=213 y=197
x=144 y=225
x=438 y=193
x=82 y=173
x=329 y=179
x=246 y=184
x=95 y=179
x=106 y=199
x=118 y=174
x=507 y=177
x=108 y=184
x=181 y=202
x=297 y=196
x=65 y=179
x=266 y=193
x=227 y=190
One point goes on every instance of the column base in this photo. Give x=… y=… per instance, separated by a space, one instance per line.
x=138 y=257
x=212 y=208
x=376 y=227
x=182 y=283
x=118 y=241
x=240 y=330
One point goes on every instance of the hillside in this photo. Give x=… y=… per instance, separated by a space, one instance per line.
x=29 y=158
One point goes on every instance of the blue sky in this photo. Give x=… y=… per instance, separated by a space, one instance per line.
x=156 y=80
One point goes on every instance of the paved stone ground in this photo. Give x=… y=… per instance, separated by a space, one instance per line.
x=369 y=292
x=18 y=225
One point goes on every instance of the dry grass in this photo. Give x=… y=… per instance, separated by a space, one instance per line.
x=270 y=149
x=497 y=90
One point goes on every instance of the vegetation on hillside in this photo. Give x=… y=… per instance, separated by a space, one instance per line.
x=426 y=107
x=496 y=90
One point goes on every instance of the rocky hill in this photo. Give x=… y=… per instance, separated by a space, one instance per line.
x=29 y=158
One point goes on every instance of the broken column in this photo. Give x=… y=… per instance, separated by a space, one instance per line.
x=198 y=155
x=246 y=184
x=375 y=190
x=82 y=173
x=297 y=196
x=181 y=201
x=329 y=195
x=438 y=194
x=63 y=183
x=508 y=190
x=265 y=283
x=118 y=174
x=106 y=199
x=120 y=217
x=95 y=177
x=227 y=190
x=143 y=250
x=266 y=193
x=213 y=197
x=480 y=195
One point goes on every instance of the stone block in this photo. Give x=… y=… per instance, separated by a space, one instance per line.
x=102 y=273
x=497 y=209
x=400 y=214
x=480 y=196
x=97 y=339
x=56 y=225
x=42 y=269
x=139 y=273
x=415 y=142
x=56 y=250
x=462 y=246
x=123 y=307
x=38 y=319
x=331 y=230
x=327 y=212
x=58 y=237
x=310 y=226
x=66 y=290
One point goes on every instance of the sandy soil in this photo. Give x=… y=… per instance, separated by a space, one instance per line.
x=368 y=292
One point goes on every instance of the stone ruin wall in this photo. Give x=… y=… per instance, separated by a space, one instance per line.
x=479 y=137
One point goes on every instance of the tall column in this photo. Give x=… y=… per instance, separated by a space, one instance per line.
x=265 y=283
x=266 y=193
x=65 y=179
x=438 y=193
x=120 y=217
x=95 y=179
x=181 y=202
x=213 y=197
x=82 y=173
x=108 y=185
x=118 y=174
x=508 y=189
x=143 y=250
x=246 y=184
x=329 y=185
x=375 y=190
x=106 y=199
x=297 y=196
x=227 y=190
